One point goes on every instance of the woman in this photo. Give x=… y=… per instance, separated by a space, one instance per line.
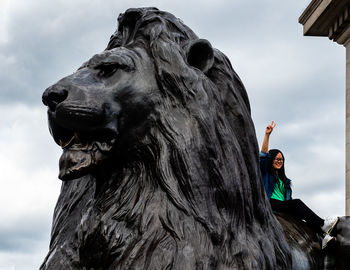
x=278 y=188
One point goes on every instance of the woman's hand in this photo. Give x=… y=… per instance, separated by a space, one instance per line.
x=270 y=128
x=265 y=144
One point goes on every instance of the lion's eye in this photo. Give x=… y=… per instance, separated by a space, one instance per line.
x=107 y=70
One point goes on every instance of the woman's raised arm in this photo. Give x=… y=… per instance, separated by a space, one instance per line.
x=268 y=131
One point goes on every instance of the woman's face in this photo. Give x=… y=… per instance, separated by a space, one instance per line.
x=278 y=162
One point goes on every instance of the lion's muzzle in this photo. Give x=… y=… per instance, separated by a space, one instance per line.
x=81 y=126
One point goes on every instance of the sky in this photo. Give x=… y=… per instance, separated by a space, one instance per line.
x=297 y=81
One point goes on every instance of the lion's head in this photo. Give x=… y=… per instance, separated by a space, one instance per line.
x=159 y=144
x=103 y=108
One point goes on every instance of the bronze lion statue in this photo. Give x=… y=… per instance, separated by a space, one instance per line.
x=160 y=159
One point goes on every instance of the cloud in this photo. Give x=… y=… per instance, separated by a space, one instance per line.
x=21 y=260
x=46 y=41
x=29 y=185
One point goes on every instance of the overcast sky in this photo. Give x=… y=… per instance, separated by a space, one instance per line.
x=297 y=81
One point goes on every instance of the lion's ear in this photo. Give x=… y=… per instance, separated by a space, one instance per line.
x=201 y=55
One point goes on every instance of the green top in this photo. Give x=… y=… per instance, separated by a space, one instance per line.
x=279 y=191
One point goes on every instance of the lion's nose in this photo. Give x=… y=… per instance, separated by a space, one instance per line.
x=54 y=96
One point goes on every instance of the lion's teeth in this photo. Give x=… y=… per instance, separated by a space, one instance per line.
x=67 y=143
x=103 y=146
x=76 y=142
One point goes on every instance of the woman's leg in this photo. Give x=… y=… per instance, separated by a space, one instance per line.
x=299 y=209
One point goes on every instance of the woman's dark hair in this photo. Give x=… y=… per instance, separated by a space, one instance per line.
x=281 y=174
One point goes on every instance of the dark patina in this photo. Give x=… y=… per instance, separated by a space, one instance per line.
x=160 y=162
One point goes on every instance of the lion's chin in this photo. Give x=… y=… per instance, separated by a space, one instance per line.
x=76 y=162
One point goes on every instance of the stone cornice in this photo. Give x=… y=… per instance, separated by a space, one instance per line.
x=340 y=28
x=327 y=18
x=309 y=11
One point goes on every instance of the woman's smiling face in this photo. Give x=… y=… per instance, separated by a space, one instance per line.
x=278 y=162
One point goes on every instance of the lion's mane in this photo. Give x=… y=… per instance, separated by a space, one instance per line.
x=188 y=195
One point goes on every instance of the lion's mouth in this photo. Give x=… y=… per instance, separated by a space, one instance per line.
x=87 y=142
x=82 y=150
